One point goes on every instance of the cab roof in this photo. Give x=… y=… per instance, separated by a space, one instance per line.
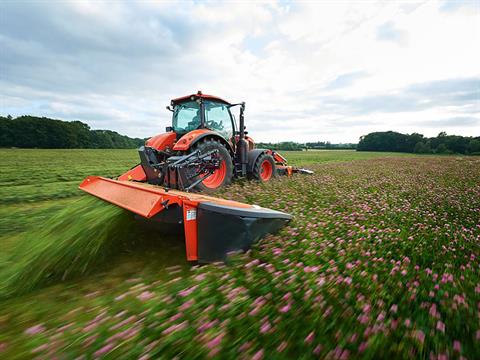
x=198 y=95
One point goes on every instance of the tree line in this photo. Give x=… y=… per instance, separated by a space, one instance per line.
x=393 y=142
x=417 y=143
x=36 y=132
x=295 y=146
x=42 y=132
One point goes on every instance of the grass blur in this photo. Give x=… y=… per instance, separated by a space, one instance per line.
x=68 y=244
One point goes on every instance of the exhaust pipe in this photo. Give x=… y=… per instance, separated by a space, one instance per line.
x=242 y=144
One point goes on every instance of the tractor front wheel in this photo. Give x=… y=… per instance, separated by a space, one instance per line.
x=264 y=168
x=221 y=176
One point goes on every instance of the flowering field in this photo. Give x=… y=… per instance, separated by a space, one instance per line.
x=381 y=260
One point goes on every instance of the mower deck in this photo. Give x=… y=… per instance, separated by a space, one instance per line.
x=213 y=226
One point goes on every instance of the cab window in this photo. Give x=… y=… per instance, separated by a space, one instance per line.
x=186 y=117
x=217 y=118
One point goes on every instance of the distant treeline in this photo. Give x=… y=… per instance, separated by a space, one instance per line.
x=36 y=132
x=417 y=143
x=294 y=146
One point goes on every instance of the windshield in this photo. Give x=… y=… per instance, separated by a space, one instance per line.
x=186 y=117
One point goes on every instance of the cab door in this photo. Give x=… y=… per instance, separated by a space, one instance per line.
x=218 y=118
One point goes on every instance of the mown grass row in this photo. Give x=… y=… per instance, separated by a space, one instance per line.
x=29 y=175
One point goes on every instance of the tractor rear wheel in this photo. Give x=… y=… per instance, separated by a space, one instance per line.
x=221 y=176
x=264 y=168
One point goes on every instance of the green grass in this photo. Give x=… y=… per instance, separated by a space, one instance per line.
x=371 y=230
x=30 y=175
x=305 y=158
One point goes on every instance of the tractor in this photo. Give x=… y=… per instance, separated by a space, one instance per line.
x=201 y=152
x=205 y=149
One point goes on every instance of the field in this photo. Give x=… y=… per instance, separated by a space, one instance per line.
x=380 y=261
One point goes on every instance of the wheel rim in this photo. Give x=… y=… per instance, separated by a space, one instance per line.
x=266 y=170
x=216 y=179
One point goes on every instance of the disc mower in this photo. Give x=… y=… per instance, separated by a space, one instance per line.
x=202 y=151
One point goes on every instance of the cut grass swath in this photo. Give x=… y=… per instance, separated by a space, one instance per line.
x=69 y=244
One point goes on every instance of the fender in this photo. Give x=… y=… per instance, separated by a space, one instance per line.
x=162 y=141
x=251 y=143
x=191 y=138
x=253 y=156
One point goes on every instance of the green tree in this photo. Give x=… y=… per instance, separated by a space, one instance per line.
x=393 y=141
x=34 y=132
x=421 y=148
x=474 y=146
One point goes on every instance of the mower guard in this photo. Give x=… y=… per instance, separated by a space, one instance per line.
x=213 y=227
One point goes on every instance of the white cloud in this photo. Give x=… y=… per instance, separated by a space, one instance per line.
x=297 y=65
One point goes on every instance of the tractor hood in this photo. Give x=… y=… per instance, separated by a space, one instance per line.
x=191 y=137
x=162 y=141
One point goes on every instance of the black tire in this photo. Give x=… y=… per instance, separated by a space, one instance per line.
x=208 y=145
x=259 y=170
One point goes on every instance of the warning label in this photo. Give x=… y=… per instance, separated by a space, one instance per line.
x=191 y=214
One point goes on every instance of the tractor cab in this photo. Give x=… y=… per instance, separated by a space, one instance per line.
x=200 y=111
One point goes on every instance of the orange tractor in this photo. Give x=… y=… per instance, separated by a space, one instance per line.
x=202 y=151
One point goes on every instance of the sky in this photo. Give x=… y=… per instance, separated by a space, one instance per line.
x=308 y=71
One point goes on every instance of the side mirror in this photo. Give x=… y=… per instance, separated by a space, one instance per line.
x=169 y=129
x=169 y=108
